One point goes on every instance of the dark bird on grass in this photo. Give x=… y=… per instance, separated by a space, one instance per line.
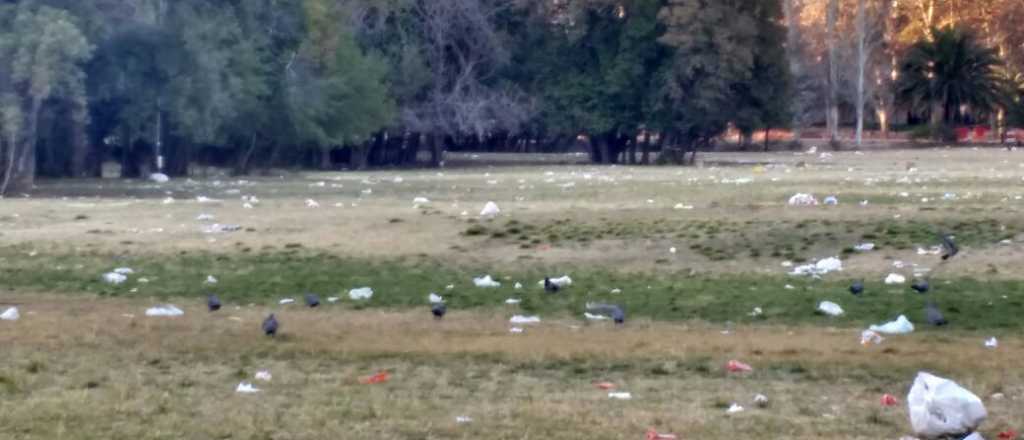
x=213 y=303
x=610 y=310
x=270 y=325
x=934 y=316
x=550 y=287
x=312 y=300
x=920 y=286
x=949 y=246
x=438 y=310
x=857 y=288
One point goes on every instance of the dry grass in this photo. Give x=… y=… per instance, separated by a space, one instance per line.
x=80 y=368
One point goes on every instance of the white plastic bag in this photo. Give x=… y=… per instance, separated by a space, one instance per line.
x=246 y=388
x=562 y=281
x=486 y=282
x=830 y=308
x=620 y=395
x=895 y=278
x=490 y=210
x=360 y=293
x=168 y=310
x=435 y=298
x=159 y=178
x=939 y=407
x=868 y=337
x=801 y=199
x=900 y=326
x=10 y=314
x=520 y=319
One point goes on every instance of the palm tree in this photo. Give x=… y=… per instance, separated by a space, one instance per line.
x=952 y=76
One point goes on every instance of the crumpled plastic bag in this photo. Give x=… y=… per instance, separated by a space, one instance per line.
x=868 y=337
x=486 y=282
x=822 y=267
x=434 y=298
x=939 y=407
x=360 y=293
x=895 y=278
x=420 y=201
x=246 y=388
x=562 y=281
x=490 y=210
x=114 y=278
x=520 y=319
x=594 y=317
x=10 y=314
x=801 y=199
x=620 y=395
x=167 y=310
x=735 y=366
x=159 y=178
x=900 y=326
x=264 y=375
x=830 y=308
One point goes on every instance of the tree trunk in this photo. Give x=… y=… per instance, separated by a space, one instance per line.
x=862 y=60
x=795 y=66
x=436 y=154
x=767 y=135
x=12 y=147
x=79 y=142
x=24 y=174
x=832 y=98
x=645 y=149
x=325 y=158
x=243 y=161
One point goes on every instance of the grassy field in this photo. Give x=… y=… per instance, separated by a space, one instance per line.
x=84 y=362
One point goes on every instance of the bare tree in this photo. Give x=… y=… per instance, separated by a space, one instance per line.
x=832 y=99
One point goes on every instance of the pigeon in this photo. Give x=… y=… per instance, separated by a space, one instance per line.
x=949 y=246
x=270 y=325
x=934 y=316
x=550 y=287
x=611 y=310
x=857 y=287
x=920 y=286
x=312 y=300
x=213 y=303
x=438 y=310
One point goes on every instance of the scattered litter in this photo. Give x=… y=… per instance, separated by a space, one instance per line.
x=889 y=400
x=246 y=388
x=420 y=201
x=159 y=178
x=594 y=317
x=332 y=299
x=605 y=386
x=486 y=282
x=830 y=308
x=490 y=210
x=10 y=314
x=831 y=200
x=992 y=343
x=655 y=435
x=616 y=291
x=204 y=199
x=864 y=247
x=801 y=199
x=900 y=326
x=735 y=366
x=563 y=281
x=463 y=419
x=204 y=217
x=168 y=201
x=863 y=203
x=286 y=301
x=263 y=375
x=210 y=279
x=520 y=319
x=789 y=287
x=761 y=400
x=868 y=337
x=513 y=301
x=940 y=408
x=114 y=278
x=895 y=278
x=683 y=207
x=734 y=409
x=310 y=203
x=787 y=264
x=820 y=268
x=398 y=179
x=516 y=330
x=756 y=312
x=620 y=395
x=166 y=310
x=518 y=286
x=381 y=377
x=124 y=271
x=934 y=250
x=217 y=228
x=360 y=293
x=435 y=298
x=1009 y=434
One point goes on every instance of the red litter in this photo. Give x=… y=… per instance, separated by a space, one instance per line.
x=1009 y=434
x=381 y=377
x=889 y=400
x=605 y=385
x=654 y=435
x=735 y=366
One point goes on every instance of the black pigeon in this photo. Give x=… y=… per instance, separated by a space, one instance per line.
x=312 y=300
x=270 y=325
x=920 y=286
x=611 y=310
x=213 y=303
x=857 y=287
x=550 y=287
x=949 y=246
x=438 y=310
x=934 y=316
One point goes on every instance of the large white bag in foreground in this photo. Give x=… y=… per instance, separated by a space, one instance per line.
x=939 y=407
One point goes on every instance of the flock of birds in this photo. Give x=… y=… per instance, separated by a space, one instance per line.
x=617 y=314
x=932 y=313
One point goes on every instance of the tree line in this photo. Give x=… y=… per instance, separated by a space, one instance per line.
x=254 y=84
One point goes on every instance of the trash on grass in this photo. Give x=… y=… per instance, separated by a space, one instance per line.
x=900 y=326
x=463 y=419
x=381 y=377
x=263 y=375
x=286 y=301
x=889 y=400
x=655 y=435
x=992 y=343
x=831 y=200
x=734 y=409
x=490 y=210
x=895 y=278
x=10 y=314
x=420 y=201
x=486 y=282
x=605 y=386
x=801 y=199
x=520 y=319
x=820 y=268
x=735 y=366
x=761 y=400
x=246 y=388
x=864 y=247
x=939 y=408
x=516 y=330
x=868 y=337
x=114 y=278
x=166 y=310
x=563 y=281
x=210 y=279
x=513 y=301
x=435 y=298
x=620 y=395
x=360 y=293
x=830 y=308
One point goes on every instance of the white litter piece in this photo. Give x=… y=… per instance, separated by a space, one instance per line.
x=204 y=217
x=992 y=343
x=789 y=287
x=486 y=282
x=165 y=310
x=114 y=278
x=863 y=203
x=756 y=312
x=864 y=247
x=204 y=199
x=210 y=279
x=463 y=419
x=310 y=203
x=286 y=301
x=449 y=287
x=332 y=299
x=168 y=201
x=520 y=319
x=513 y=301
x=490 y=210
x=246 y=388
x=787 y=264
x=868 y=337
x=949 y=196
x=420 y=201
x=619 y=395
x=435 y=298
x=616 y=291
x=830 y=308
x=734 y=409
x=801 y=199
x=398 y=179
x=562 y=281
x=367 y=191
x=940 y=408
x=761 y=400
x=822 y=267
x=360 y=293
x=900 y=326
x=681 y=206
x=831 y=200
x=247 y=205
x=895 y=278
x=516 y=330
x=935 y=250
x=124 y=271
x=159 y=178
x=672 y=250
x=263 y=375
x=10 y=314
x=594 y=317
x=518 y=286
